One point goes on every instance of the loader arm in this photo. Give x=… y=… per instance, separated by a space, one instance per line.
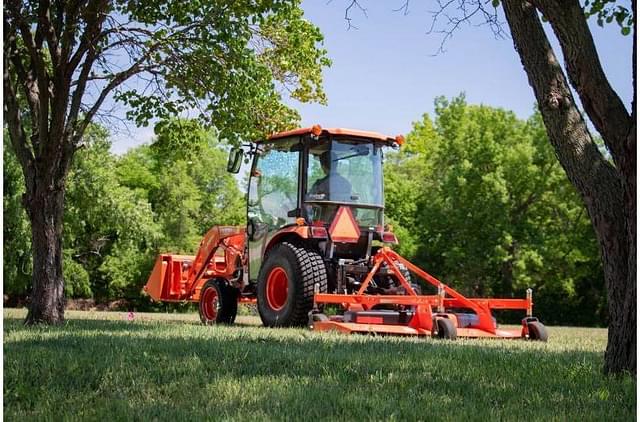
x=212 y=240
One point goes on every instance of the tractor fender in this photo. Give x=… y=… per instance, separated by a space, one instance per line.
x=288 y=234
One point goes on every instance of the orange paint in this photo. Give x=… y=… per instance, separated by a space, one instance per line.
x=422 y=306
x=373 y=136
x=344 y=228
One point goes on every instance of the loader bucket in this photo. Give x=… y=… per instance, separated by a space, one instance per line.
x=168 y=278
x=156 y=279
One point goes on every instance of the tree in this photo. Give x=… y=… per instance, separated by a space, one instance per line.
x=105 y=221
x=65 y=61
x=494 y=212
x=607 y=188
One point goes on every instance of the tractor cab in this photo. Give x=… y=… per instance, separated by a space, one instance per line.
x=321 y=186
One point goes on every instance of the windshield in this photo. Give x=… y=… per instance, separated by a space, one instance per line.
x=345 y=171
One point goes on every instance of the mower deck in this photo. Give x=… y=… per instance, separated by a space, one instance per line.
x=420 y=315
x=405 y=330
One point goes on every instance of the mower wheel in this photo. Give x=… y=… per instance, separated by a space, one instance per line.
x=537 y=331
x=446 y=329
x=218 y=303
x=286 y=282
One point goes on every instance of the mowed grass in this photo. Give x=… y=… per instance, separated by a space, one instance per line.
x=101 y=366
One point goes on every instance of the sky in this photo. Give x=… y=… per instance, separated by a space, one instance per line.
x=385 y=75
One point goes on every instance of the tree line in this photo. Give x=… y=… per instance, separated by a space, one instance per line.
x=476 y=197
x=121 y=211
x=480 y=201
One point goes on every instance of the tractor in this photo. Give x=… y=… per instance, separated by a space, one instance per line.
x=315 y=238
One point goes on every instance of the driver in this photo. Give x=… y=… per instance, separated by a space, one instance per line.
x=332 y=185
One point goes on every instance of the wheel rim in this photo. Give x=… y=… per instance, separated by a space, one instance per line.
x=210 y=304
x=277 y=288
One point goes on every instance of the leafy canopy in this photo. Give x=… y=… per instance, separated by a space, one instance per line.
x=480 y=201
x=229 y=61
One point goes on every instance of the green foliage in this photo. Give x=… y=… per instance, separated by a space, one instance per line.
x=170 y=367
x=103 y=217
x=122 y=211
x=606 y=11
x=186 y=183
x=76 y=278
x=230 y=60
x=16 y=263
x=483 y=204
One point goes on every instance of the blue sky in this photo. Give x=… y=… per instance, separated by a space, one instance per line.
x=384 y=74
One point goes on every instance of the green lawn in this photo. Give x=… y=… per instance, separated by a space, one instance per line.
x=100 y=366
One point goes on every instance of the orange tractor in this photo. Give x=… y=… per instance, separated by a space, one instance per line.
x=315 y=236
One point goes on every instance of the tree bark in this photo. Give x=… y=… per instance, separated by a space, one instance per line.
x=607 y=191
x=45 y=207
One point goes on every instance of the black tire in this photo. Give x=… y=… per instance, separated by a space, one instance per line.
x=225 y=309
x=446 y=329
x=298 y=269
x=537 y=331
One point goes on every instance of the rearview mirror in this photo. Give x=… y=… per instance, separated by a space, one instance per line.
x=235 y=160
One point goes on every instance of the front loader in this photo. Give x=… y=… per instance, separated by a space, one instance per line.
x=315 y=236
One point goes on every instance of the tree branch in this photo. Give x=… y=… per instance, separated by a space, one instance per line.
x=40 y=121
x=78 y=93
x=594 y=177
x=117 y=80
x=95 y=18
x=14 y=122
x=71 y=11
x=347 y=17
x=29 y=85
x=601 y=103
x=46 y=31
x=88 y=45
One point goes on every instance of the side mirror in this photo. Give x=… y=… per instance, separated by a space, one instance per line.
x=235 y=160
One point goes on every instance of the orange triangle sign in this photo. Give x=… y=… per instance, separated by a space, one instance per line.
x=344 y=227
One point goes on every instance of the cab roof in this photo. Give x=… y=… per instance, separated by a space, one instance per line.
x=375 y=136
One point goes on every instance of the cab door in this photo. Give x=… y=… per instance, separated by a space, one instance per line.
x=273 y=195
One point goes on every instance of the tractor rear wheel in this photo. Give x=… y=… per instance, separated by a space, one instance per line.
x=285 y=285
x=537 y=331
x=218 y=303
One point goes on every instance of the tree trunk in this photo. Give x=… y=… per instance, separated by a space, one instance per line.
x=45 y=207
x=621 y=347
x=607 y=191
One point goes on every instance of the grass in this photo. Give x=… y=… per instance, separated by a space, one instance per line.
x=100 y=366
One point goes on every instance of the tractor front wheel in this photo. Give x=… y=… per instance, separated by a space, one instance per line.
x=218 y=303
x=286 y=283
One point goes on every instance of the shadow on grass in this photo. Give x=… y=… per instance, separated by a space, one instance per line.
x=113 y=369
x=116 y=323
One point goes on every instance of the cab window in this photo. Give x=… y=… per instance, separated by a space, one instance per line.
x=273 y=189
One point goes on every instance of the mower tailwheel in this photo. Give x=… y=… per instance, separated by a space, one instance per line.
x=446 y=329
x=286 y=283
x=537 y=331
x=218 y=303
